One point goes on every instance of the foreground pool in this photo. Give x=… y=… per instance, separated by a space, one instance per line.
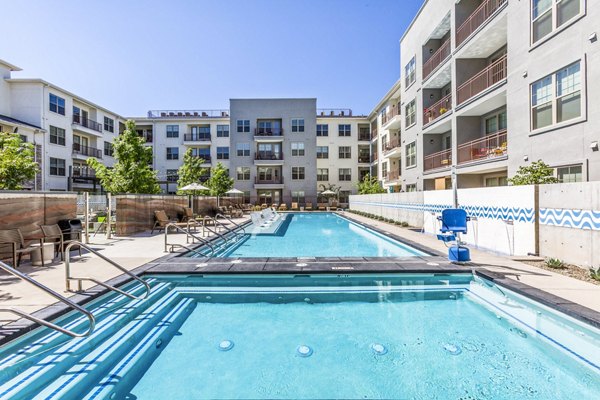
x=395 y=336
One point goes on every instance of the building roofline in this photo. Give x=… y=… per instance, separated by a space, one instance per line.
x=10 y=66
x=13 y=121
x=414 y=20
x=79 y=98
x=395 y=87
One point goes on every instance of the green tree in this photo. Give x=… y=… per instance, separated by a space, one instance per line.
x=17 y=161
x=535 y=174
x=191 y=171
x=132 y=173
x=370 y=185
x=219 y=181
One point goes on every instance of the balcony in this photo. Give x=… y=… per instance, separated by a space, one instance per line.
x=205 y=157
x=373 y=158
x=437 y=59
x=364 y=159
x=364 y=135
x=493 y=74
x=480 y=16
x=87 y=123
x=437 y=110
x=268 y=158
x=373 y=133
x=392 y=147
x=441 y=159
x=196 y=137
x=268 y=180
x=147 y=136
x=268 y=132
x=83 y=172
x=87 y=151
x=486 y=148
x=392 y=176
x=391 y=119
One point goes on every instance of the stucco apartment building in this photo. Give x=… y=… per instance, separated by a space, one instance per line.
x=488 y=86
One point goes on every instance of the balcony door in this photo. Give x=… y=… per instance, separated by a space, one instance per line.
x=269 y=127
x=80 y=143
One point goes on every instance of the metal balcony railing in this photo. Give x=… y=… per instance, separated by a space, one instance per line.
x=261 y=155
x=477 y=18
x=364 y=134
x=392 y=176
x=436 y=59
x=83 y=172
x=268 y=132
x=364 y=158
x=196 y=137
x=440 y=159
x=86 y=150
x=488 y=147
x=492 y=74
x=268 y=180
x=388 y=116
x=438 y=109
x=87 y=123
x=391 y=144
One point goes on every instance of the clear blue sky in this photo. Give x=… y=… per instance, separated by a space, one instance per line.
x=132 y=56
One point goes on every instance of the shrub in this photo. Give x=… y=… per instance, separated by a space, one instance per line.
x=555 y=263
x=595 y=273
x=405 y=224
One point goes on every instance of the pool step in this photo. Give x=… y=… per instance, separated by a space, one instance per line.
x=35 y=373
x=88 y=370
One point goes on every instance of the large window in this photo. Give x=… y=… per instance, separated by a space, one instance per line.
x=298 y=196
x=108 y=149
x=172 y=153
x=345 y=174
x=297 y=125
x=222 y=153
x=57 y=135
x=549 y=15
x=322 y=130
x=411 y=154
x=109 y=124
x=57 y=166
x=322 y=151
x=409 y=72
x=243 y=149
x=323 y=174
x=172 y=131
x=411 y=187
x=344 y=130
x=297 y=173
x=410 y=113
x=222 y=130
x=557 y=97
x=57 y=104
x=243 y=125
x=496 y=181
x=297 y=149
x=344 y=152
x=495 y=122
x=242 y=173
x=571 y=173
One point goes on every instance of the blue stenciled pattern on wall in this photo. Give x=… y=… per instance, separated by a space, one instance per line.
x=579 y=219
x=492 y=212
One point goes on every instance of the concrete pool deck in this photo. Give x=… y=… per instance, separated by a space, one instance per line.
x=147 y=251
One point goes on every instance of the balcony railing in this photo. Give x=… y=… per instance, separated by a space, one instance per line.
x=385 y=118
x=438 y=109
x=364 y=158
x=205 y=157
x=436 y=59
x=492 y=74
x=87 y=123
x=86 y=150
x=268 y=181
x=373 y=157
x=488 y=147
x=391 y=144
x=373 y=133
x=364 y=134
x=196 y=137
x=477 y=18
x=83 y=172
x=147 y=136
x=441 y=159
x=268 y=132
x=392 y=176
x=261 y=155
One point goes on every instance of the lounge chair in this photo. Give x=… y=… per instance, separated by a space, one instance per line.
x=13 y=239
x=263 y=205
x=322 y=206
x=283 y=207
x=53 y=234
x=308 y=207
x=294 y=207
x=187 y=214
x=161 y=220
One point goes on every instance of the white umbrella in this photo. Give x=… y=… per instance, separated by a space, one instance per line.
x=234 y=191
x=194 y=186
x=328 y=192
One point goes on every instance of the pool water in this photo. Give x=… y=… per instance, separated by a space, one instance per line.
x=312 y=337
x=318 y=235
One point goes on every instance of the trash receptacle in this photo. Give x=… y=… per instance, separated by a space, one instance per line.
x=71 y=228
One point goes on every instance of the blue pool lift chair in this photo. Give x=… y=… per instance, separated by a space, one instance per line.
x=454 y=222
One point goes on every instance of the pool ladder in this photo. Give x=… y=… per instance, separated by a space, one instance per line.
x=189 y=235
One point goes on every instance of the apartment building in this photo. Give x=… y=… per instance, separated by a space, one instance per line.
x=65 y=129
x=490 y=85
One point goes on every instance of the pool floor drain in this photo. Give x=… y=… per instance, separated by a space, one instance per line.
x=378 y=349
x=225 y=345
x=452 y=349
x=304 y=351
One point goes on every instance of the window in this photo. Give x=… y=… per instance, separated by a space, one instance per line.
x=344 y=152
x=557 y=97
x=242 y=173
x=298 y=196
x=496 y=181
x=108 y=149
x=549 y=15
x=411 y=187
x=495 y=123
x=410 y=113
x=344 y=130
x=322 y=151
x=571 y=173
x=57 y=135
x=57 y=104
x=322 y=130
x=345 y=174
x=411 y=154
x=172 y=153
x=243 y=149
x=297 y=173
x=222 y=130
x=409 y=72
x=297 y=149
x=172 y=175
x=243 y=125
x=297 y=125
x=23 y=138
x=222 y=153
x=109 y=124
x=384 y=169
x=323 y=174
x=172 y=131
x=201 y=152
x=57 y=166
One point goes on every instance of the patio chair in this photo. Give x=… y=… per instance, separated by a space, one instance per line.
x=282 y=207
x=294 y=207
x=13 y=240
x=263 y=205
x=308 y=207
x=187 y=214
x=161 y=220
x=53 y=234
x=322 y=206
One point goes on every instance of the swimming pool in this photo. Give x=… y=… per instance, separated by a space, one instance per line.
x=417 y=336
x=316 y=235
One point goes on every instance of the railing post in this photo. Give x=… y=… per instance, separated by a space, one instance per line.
x=87 y=217
x=109 y=217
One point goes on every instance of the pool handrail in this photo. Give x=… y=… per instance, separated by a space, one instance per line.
x=204 y=226
x=188 y=235
x=68 y=276
x=59 y=297
x=232 y=230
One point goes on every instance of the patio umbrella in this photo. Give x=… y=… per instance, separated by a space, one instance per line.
x=194 y=187
x=328 y=192
x=234 y=191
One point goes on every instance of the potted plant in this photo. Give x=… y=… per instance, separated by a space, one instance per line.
x=443 y=110
x=428 y=115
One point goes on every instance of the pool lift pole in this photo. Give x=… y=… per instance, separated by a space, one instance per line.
x=457 y=253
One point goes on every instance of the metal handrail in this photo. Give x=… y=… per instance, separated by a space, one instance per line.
x=213 y=231
x=68 y=276
x=188 y=234
x=234 y=223
x=57 y=296
x=226 y=227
